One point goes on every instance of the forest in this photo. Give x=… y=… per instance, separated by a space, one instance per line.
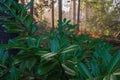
x=59 y=39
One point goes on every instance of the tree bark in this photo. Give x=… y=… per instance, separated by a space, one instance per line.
x=31 y=9
x=23 y=2
x=78 y=18
x=53 y=13
x=60 y=9
x=74 y=11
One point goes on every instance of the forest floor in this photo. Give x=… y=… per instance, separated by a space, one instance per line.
x=114 y=41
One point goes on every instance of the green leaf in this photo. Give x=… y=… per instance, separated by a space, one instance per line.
x=104 y=55
x=48 y=55
x=30 y=63
x=1 y=53
x=70 y=49
x=113 y=62
x=31 y=42
x=64 y=20
x=113 y=77
x=22 y=57
x=28 y=21
x=5 y=57
x=41 y=53
x=3 y=66
x=44 y=68
x=68 y=70
x=38 y=41
x=8 y=2
x=14 y=30
x=84 y=70
x=4 y=46
x=18 y=46
x=13 y=74
x=22 y=66
x=33 y=29
x=54 y=45
x=94 y=68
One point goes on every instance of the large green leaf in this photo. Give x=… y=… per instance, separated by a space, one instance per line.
x=4 y=46
x=15 y=30
x=70 y=48
x=30 y=63
x=48 y=55
x=95 y=69
x=83 y=69
x=68 y=70
x=33 y=28
x=41 y=53
x=28 y=21
x=8 y=2
x=5 y=57
x=23 y=56
x=3 y=66
x=44 y=68
x=115 y=60
x=13 y=74
x=38 y=41
x=1 y=53
x=31 y=42
x=104 y=55
x=54 y=45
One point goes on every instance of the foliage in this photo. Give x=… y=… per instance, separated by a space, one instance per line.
x=104 y=15
x=60 y=51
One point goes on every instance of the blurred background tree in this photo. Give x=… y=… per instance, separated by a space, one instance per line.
x=100 y=16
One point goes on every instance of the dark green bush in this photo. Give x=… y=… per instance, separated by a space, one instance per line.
x=59 y=55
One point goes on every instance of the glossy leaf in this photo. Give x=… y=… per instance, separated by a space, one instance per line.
x=84 y=70
x=54 y=45
x=13 y=74
x=28 y=21
x=31 y=42
x=114 y=62
x=38 y=41
x=44 y=68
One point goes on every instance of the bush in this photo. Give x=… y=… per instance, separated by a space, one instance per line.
x=59 y=55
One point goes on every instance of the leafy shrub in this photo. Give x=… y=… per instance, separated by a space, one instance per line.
x=59 y=55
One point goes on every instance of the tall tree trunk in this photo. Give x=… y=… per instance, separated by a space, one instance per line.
x=87 y=10
x=53 y=13
x=74 y=11
x=87 y=14
x=41 y=8
x=31 y=9
x=60 y=9
x=78 y=18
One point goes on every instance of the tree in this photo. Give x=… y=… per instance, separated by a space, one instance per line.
x=23 y=2
x=78 y=18
x=74 y=11
x=60 y=9
x=52 y=13
x=31 y=9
